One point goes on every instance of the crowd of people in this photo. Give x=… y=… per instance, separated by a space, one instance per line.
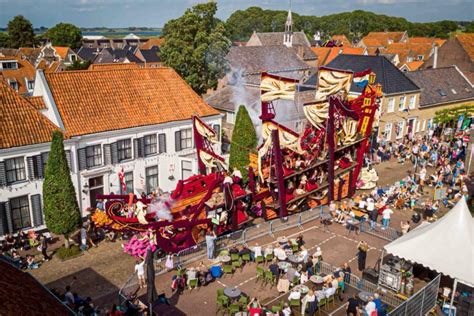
x=21 y=249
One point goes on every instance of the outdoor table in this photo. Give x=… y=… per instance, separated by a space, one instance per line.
x=283 y=265
x=224 y=259
x=232 y=292
x=364 y=296
x=316 y=279
x=303 y=289
x=295 y=258
x=282 y=240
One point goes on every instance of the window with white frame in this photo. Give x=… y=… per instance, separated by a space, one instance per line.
x=423 y=125
x=20 y=212
x=401 y=103
x=399 y=129
x=151 y=178
x=150 y=144
x=15 y=169
x=391 y=105
x=124 y=149
x=230 y=117
x=186 y=169
x=411 y=102
x=14 y=84
x=93 y=156
x=186 y=140
x=418 y=123
x=388 y=131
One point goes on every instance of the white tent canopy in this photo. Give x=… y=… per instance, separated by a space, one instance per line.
x=445 y=246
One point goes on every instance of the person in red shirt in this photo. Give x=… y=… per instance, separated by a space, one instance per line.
x=254 y=307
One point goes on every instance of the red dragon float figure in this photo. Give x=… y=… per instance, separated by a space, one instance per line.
x=294 y=171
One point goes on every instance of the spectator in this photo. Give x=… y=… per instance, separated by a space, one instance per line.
x=352 y=306
x=386 y=217
x=139 y=269
x=44 y=247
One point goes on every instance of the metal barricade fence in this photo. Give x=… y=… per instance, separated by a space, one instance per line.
x=126 y=288
x=422 y=302
x=389 y=234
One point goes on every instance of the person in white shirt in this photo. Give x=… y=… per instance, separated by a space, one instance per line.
x=286 y=310
x=309 y=298
x=370 y=204
x=386 y=217
x=304 y=277
x=320 y=295
x=257 y=251
x=140 y=273
x=304 y=254
x=329 y=291
x=370 y=307
x=294 y=295
x=362 y=204
x=280 y=253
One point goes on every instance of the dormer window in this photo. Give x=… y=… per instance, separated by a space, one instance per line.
x=73 y=58
x=420 y=57
x=10 y=65
x=31 y=84
x=409 y=59
x=13 y=84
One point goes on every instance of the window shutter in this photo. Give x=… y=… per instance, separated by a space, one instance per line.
x=81 y=157
x=37 y=209
x=161 y=143
x=138 y=147
x=217 y=130
x=107 y=155
x=69 y=161
x=177 y=140
x=38 y=160
x=31 y=168
x=44 y=160
x=3 y=174
x=3 y=220
x=114 y=153
x=141 y=147
x=8 y=216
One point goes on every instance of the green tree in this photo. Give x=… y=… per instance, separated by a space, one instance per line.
x=4 y=40
x=20 y=31
x=244 y=141
x=195 y=46
x=61 y=209
x=79 y=65
x=65 y=34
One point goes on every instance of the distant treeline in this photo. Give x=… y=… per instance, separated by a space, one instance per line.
x=354 y=25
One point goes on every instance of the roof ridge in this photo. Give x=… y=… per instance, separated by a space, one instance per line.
x=109 y=70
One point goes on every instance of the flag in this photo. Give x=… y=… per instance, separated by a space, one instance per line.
x=361 y=81
x=121 y=176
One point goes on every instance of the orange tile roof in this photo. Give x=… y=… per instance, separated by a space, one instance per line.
x=322 y=53
x=37 y=102
x=384 y=37
x=153 y=42
x=98 y=101
x=406 y=50
x=414 y=65
x=333 y=52
x=372 y=42
x=61 y=51
x=25 y=71
x=55 y=66
x=467 y=42
x=21 y=124
x=341 y=38
x=113 y=66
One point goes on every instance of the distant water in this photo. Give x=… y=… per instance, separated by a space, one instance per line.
x=122 y=34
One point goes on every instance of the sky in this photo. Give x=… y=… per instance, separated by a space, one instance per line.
x=155 y=13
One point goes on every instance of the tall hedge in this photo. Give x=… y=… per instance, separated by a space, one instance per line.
x=244 y=141
x=61 y=209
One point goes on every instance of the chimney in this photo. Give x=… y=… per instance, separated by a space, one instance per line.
x=435 y=57
x=300 y=51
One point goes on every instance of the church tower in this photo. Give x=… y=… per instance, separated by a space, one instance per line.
x=288 y=36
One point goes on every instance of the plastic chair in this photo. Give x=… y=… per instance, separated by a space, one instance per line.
x=246 y=257
x=234 y=256
x=224 y=252
x=269 y=277
x=222 y=303
x=220 y=292
x=233 y=308
x=260 y=274
x=330 y=300
x=228 y=269
x=321 y=304
x=276 y=309
x=237 y=264
x=295 y=248
x=244 y=300
x=193 y=283
x=269 y=257
x=295 y=303
x=259 y=259
x=296 y=280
